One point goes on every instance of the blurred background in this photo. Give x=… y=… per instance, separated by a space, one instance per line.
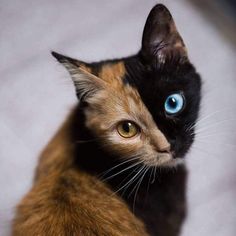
x=36 y=93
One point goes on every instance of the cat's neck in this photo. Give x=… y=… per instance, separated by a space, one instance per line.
x=158 y=197
x=153 y=195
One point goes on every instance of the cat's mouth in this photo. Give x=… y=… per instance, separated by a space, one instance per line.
x=164 y=160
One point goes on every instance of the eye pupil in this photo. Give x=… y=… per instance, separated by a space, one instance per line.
x=172 y=102
x=126 y=126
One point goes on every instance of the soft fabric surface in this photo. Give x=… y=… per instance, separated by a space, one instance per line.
x=36 y=94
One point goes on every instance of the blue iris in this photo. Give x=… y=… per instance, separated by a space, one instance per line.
x=174 y=103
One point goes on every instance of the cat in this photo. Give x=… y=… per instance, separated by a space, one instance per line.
x=116 y=166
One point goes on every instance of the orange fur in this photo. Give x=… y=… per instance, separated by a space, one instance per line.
x=112 y=72
x=66 y=201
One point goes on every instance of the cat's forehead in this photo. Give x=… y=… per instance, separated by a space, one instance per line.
x=115 y=74
x=119 y=100
x=117 y=95
x=134 y=78
x=112 y=73
x=125 y=86
x=138 y=86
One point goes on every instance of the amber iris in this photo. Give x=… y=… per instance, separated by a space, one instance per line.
x=127 y=129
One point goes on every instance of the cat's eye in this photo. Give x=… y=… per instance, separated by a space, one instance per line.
x=127 y=129
x=174 y=104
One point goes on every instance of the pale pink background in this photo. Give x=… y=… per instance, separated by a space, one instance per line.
x=36 y=94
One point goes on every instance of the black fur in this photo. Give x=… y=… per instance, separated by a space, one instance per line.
x=158 y=70
x=163 y=206
x=155 y=85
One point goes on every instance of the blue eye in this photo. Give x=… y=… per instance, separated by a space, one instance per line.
x=174 y=103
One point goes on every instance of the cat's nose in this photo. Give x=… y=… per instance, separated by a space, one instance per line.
x=164 y=149
x=160 y=142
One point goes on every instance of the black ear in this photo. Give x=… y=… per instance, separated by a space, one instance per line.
x=161 y=39
x=86 y=84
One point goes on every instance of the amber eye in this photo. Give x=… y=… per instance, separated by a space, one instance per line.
x=127 y=129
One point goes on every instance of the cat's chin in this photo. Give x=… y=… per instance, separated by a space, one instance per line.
x=166 y=161
x=173 y=163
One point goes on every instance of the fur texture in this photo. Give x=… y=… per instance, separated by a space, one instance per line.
x=68 y=201
x=91 y=180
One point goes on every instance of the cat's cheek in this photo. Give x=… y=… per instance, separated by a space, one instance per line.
x=150 y=157
x=115 y=137
x=126 y=147
x=163 y=162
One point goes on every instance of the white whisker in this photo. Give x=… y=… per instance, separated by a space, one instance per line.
x=154 y=176
x=130 y=180
x=213 y=125
x=199 y=121
x=197 y=148
x=116 y=166
x=123 y=192
x=214 y=134
x=140 y=181
x=136 y=183
x=127 y=168
x=217 y=143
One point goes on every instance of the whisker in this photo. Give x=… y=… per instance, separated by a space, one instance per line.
x=136 y=192
x=149 y=181
x=150 y=176
x=213 y=125
x=123 y=192
x=205 y=118
x=214 y=134
x=207 y=142
x=127 y=168
x=136 y=183
x=129 y=180
x=116 y=166
x=154 y=176
x=199 y=121
x=136 y=178
x=197 y=148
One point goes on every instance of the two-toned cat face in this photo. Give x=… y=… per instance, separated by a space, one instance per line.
x=142 y=106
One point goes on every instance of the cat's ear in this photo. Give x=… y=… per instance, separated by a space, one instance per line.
x=69 y=62
x=85 y=82
x=161 y=39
